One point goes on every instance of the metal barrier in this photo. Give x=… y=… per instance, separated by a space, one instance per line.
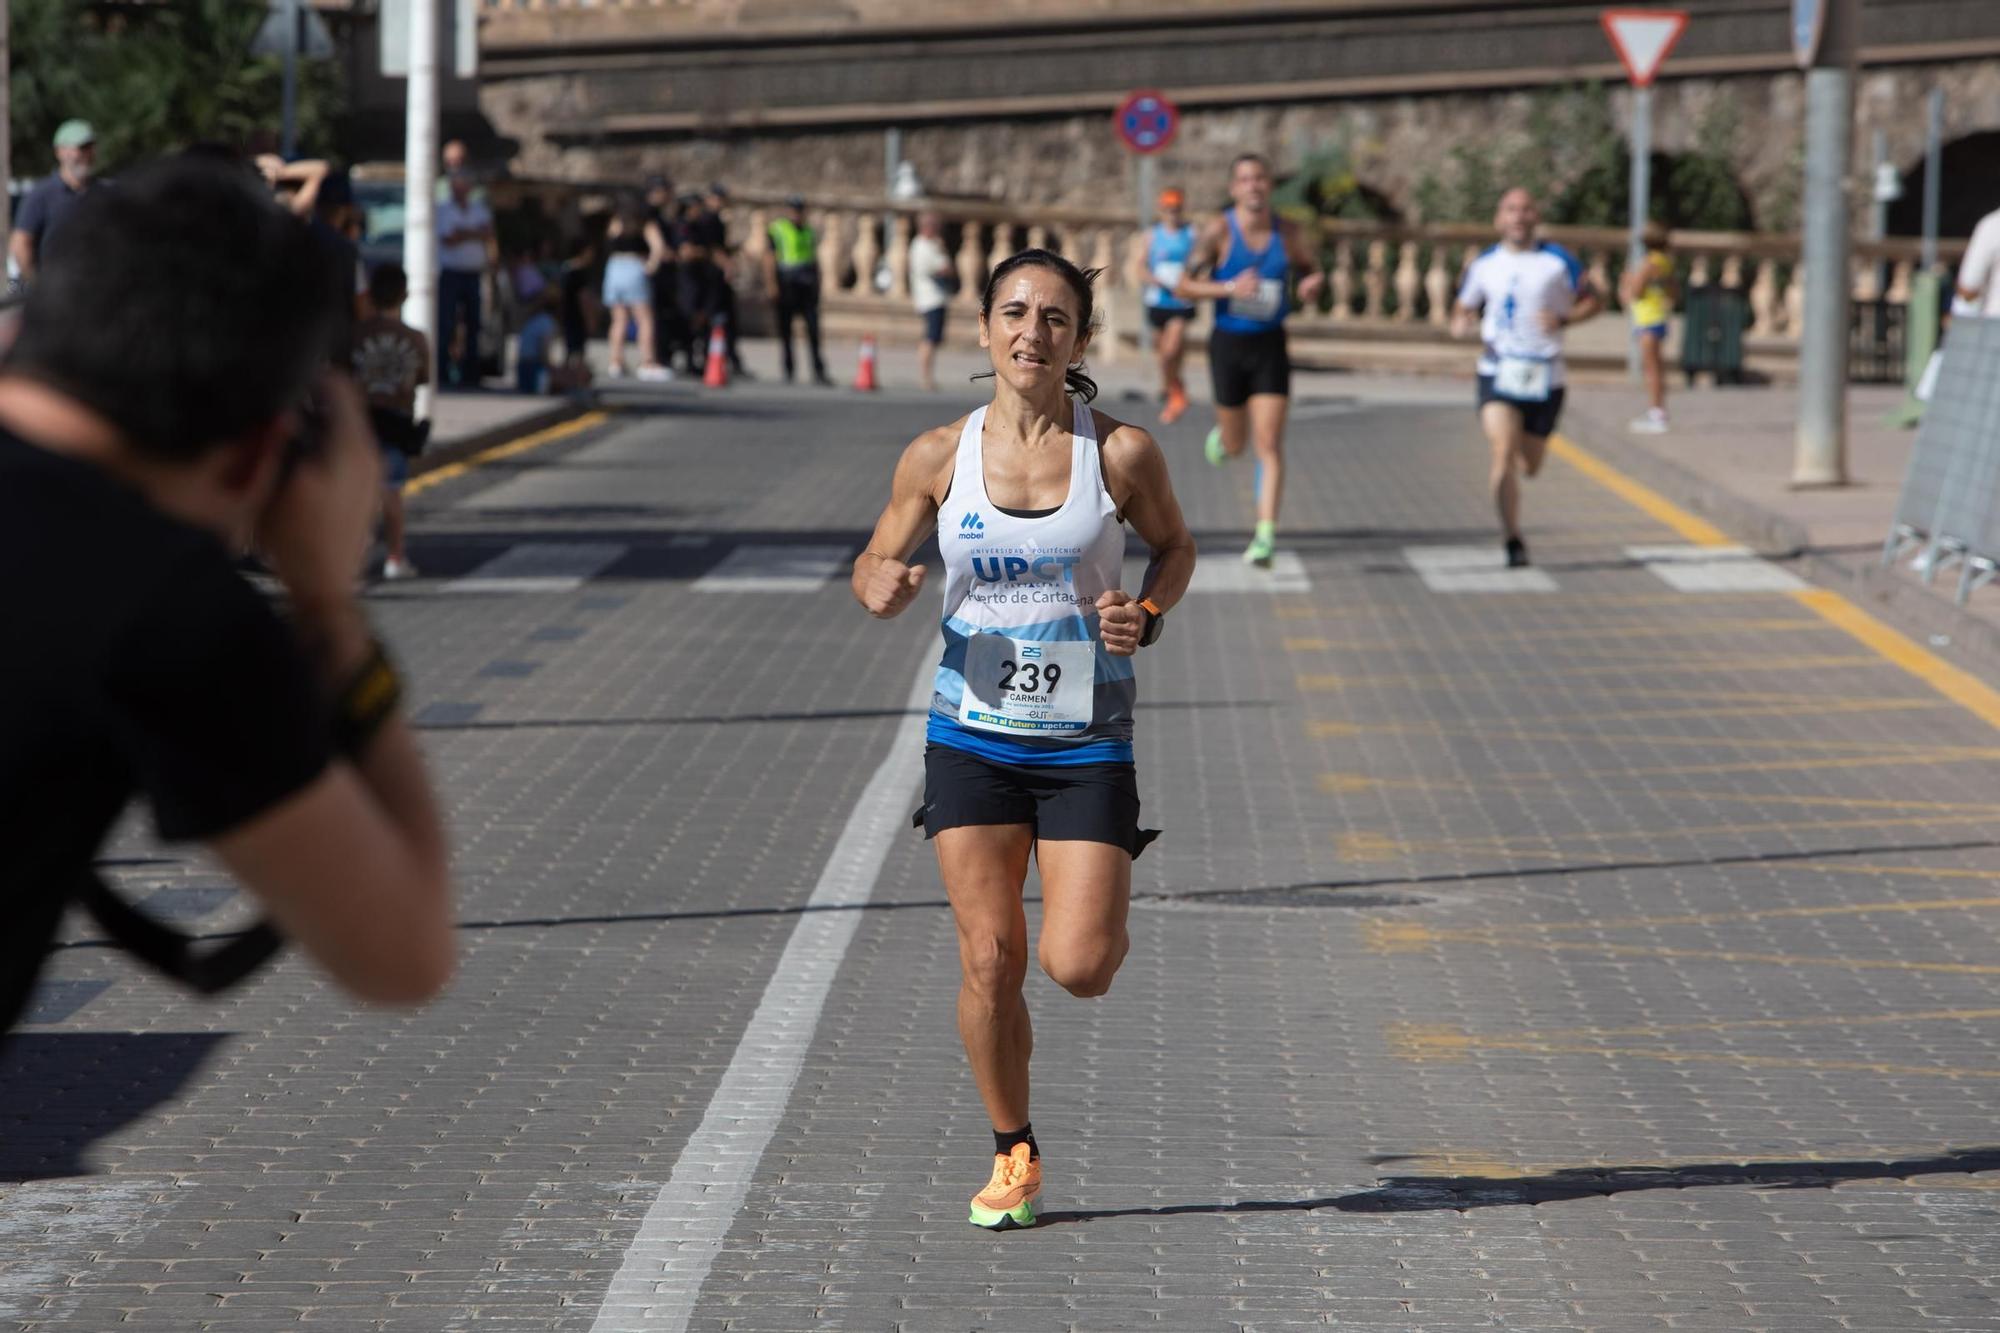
x=1876 y=332
x=1950 y=501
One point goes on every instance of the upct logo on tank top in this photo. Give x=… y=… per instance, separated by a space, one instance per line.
x=1021 y=668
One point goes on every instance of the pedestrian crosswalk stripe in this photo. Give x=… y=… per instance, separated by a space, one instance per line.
x=775 y=569
x=1714 y=569
x=1461 y=569
x=1222 y=572
x=540 y=567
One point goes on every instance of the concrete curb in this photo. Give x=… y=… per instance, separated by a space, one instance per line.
x=1922 y=612
x=465 y=446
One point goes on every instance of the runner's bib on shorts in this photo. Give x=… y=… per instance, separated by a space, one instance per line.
x=1525 y=379
x=1023 y=678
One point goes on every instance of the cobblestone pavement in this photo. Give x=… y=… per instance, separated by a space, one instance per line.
x=1581 y=953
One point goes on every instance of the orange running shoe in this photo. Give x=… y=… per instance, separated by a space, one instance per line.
x=1013 y=1198
x=1176 y=404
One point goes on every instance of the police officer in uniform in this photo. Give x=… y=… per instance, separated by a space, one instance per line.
x=791 y=280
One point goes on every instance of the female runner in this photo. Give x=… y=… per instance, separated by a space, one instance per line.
x=1030 y=735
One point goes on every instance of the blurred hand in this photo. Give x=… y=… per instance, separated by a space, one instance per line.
x=1244 y=285
x=1310 y=286
x=1120 y=621
x=891 y=586
x=1463 y=322
x=1551 y=321
x=315 y=530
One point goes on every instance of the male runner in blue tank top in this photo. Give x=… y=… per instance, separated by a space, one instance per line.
x=1243 y=261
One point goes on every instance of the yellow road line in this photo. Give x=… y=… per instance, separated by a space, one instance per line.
x=1863 y=868
x=507 y=450
x=1724 y=1058
x=1641 y=497
x=1954 y=683
x=1624 y=671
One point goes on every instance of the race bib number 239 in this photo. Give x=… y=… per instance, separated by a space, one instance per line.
x=1022 y=687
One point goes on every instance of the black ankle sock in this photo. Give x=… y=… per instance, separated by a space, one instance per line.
x=1003 y=1143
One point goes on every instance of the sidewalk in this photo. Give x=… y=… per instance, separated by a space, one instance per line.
x=467 y=423
x=1729 y=457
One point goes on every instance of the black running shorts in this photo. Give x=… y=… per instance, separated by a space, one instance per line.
x=1160 y=316
x=1064 y=803
x=1243 y=364
x=1537 y=419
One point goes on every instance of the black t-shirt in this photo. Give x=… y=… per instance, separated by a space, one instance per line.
x=138 y=663
x=46 y=208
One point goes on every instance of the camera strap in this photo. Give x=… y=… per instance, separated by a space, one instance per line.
x=172 y=953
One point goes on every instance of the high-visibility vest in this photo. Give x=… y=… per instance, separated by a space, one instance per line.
x=795 y=245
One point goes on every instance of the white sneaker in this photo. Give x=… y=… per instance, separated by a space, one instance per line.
x=1653 y=423
x=615 y=371
x=656 y=374
x=394 y=571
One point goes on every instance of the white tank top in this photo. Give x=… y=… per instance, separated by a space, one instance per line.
x=1023 y=679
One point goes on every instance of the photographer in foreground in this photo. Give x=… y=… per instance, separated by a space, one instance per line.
x=150 y=429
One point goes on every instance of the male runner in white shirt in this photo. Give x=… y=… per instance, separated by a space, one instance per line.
x=1522 y=293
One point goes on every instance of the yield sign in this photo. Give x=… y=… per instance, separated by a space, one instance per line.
x=1643 y=38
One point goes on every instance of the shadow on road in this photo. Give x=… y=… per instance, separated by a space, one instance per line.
x=1411 y=1194
x=62 y=1091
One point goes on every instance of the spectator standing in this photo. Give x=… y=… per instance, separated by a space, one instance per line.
x=1649 y=291
x=697 y=294
x=50 y=204
x=636 y=249
x=791 y=280
x=1978 y=282
x=930 y=272
x=713 y=223
x=575 y=288
x=670 y=325
x=465 y=233
x=391 y=362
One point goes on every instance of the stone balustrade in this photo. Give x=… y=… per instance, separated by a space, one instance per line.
x=1384 y=280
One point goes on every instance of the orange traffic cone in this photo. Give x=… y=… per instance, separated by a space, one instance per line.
x=864 y=374
x=716 y=373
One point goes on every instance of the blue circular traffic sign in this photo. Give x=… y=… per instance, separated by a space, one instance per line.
x=1146 y=121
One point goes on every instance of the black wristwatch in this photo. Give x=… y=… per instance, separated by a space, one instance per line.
x=1156 y=620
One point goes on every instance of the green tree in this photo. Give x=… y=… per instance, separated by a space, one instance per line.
x=154 y=78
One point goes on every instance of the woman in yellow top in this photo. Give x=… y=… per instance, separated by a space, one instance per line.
x=1649 y=291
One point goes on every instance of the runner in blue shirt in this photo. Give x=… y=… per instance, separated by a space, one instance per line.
x=1521 y=295
x=1243 y=261
x=1167 y=248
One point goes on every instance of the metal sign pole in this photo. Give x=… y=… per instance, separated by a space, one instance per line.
x=1933 y=177
x=420 y=157
x=1149 y=171
x=1642 y=203
x=1819 y=455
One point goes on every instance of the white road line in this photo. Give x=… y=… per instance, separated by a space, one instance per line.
x=659 y=1282
x=1460 y=569
x=539 y=567
x=775 y=569
x=1715 y=569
